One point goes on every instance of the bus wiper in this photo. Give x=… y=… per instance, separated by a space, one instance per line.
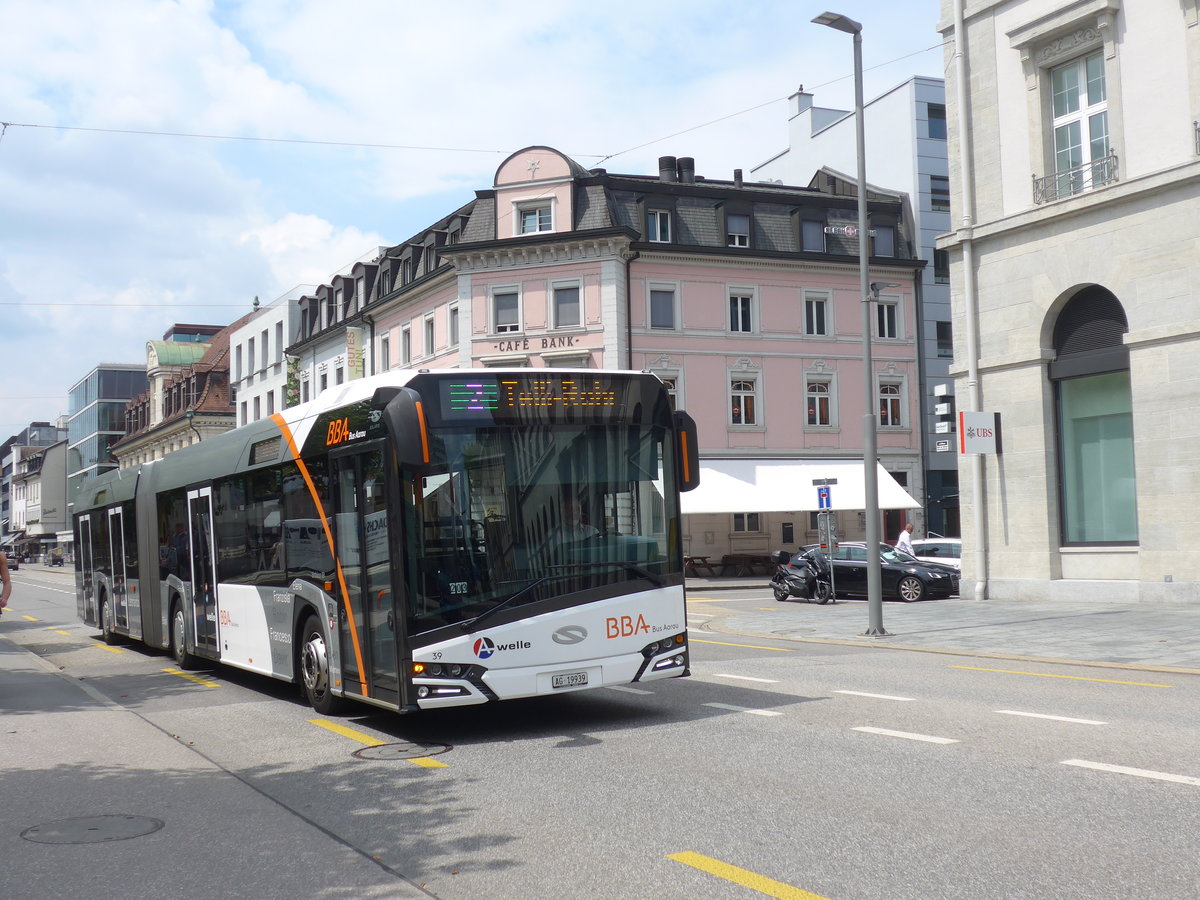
x=474 y=623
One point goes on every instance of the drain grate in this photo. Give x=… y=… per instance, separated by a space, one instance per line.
x=92 y=829
x=401 y=751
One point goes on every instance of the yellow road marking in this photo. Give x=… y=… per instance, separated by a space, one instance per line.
x=747 y=646
x=744 y=877
x=194 y=678
x=710 y=599
x=60 y=631
x=30 y=618
x=367 y=740
x=109 y=649
x=1071 y=677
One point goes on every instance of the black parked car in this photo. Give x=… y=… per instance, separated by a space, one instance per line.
x=903 y=577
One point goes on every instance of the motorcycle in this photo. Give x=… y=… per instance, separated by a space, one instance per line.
x=806 y=576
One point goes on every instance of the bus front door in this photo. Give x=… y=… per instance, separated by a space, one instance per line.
x=369 y=644
x=203 y=570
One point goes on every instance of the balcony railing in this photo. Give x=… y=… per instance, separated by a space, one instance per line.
x=1070 y=182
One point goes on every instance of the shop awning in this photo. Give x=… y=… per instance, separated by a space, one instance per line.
x=786 y=485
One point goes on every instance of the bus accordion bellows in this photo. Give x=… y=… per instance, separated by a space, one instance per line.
x=411 y=540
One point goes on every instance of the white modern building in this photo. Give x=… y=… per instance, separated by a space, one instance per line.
x=1075 y=170
x=905 y=142
x=259 y=369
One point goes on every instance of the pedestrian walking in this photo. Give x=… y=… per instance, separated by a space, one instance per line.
x=904 y=542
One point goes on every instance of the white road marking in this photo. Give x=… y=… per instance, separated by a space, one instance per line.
x=745 y=678
x=877 y=696
x=1013 y=712
x=928 y=738
x=1126 y=770
x=627 y=690
x=743 y=709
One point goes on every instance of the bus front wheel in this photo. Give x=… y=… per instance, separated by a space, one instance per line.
x=314 y=669
x=106 y=629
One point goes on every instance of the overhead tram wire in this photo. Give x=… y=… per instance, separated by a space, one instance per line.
x=4 y=126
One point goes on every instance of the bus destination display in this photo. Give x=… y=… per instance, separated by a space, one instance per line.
x=530 y=397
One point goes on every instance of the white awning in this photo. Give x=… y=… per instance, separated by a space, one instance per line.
x=786 y=485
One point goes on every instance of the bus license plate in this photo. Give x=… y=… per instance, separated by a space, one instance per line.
x=574 y=679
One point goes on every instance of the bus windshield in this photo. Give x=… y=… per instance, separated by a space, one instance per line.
x=515 y=516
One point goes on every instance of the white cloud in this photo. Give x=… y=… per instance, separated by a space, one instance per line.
x=183 y=229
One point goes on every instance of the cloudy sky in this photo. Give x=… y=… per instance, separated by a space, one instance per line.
x=169 y=160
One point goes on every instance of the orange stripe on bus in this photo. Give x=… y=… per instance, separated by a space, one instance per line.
x=424 y=433
x=683 y=445
x=337 y=563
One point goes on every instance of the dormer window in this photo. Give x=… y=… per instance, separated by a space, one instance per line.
x=532 y=219
x=737 y=230
x=658 y=226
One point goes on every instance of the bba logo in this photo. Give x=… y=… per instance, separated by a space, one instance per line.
x=625 y=626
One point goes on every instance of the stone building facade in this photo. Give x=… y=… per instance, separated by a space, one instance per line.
x=1075 y=170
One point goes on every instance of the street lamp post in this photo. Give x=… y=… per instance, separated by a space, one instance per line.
x=870 y=450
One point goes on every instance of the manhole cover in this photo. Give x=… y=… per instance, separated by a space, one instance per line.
x=401 y=751
x=92 y=829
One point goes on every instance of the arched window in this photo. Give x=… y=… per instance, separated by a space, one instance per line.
x=1097 y=488
x=818 y=403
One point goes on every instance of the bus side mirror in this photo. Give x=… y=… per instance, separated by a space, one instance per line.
x=687 y=451
x=404 y=417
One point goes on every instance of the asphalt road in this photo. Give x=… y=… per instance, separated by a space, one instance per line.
x=781 y=768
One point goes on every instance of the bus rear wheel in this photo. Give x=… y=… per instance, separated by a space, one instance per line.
x=314 y=669
x=179 y=650
x=106 y=629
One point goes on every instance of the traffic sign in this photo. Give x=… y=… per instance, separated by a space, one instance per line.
x=824 y=500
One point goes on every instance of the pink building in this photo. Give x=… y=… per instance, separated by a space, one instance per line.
x=743 y=297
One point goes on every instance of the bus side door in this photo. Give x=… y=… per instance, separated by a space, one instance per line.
x=203 y=570
x=86 y=599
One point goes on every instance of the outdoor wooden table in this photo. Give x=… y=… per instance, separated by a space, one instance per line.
x=695 y=564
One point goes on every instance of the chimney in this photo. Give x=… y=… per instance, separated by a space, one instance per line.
x=799 y=102
x=687 y=169
x=737 y=178
x=666 y=168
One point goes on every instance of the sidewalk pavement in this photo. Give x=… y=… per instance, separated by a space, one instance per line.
x=1148 y=636
x=98 y=801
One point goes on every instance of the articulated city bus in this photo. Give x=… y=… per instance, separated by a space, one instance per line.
x=412 y=540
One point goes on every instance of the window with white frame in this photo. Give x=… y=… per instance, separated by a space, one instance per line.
x=278 y=342
x=662 y=306
x=890 y=407
x=270 y=403
x=741 y=305
x=453 y=311
x=405 y=345
x=737 y=230
x=250 y=367
x=263 y=349
x=744 y=401
x=658 y=226
x=886 y=319
x=429 y=335
x=506 y=313
x=1079 y=102
x=818 y=397
x=816 y=314
x=566 y=306
x=341 y=375
x=743 y=522
x=535 y=217
x=385 y=353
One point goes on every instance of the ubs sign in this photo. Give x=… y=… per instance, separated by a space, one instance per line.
x=978 y=432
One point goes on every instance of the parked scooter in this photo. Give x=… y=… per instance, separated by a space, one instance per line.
x=806 y=576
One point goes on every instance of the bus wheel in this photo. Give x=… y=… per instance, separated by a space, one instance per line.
x=106 y=629
x=314 y=669
x=179 y=650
